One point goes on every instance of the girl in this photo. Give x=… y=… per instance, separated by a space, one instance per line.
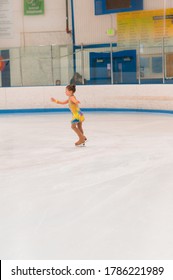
x=78 y=117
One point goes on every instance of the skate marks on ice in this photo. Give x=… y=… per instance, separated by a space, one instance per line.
x=110 y=200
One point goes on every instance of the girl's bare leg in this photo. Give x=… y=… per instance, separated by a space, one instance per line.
x=79 y=133
x=79 y=125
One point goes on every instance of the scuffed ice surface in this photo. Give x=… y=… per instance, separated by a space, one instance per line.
x=109 y=200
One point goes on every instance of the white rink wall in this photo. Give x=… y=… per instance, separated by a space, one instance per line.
x=154 y=97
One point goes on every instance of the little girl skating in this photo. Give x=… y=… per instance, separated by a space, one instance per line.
x=78 y=117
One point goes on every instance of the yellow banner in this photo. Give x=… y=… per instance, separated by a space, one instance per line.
x=148 y=27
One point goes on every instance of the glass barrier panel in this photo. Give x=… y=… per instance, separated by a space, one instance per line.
x=55 y=65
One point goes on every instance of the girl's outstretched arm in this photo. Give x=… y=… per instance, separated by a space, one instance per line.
x=59 y=102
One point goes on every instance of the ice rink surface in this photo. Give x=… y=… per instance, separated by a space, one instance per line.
x=112 y=199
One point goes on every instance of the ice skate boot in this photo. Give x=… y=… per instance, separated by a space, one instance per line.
x=80 y=143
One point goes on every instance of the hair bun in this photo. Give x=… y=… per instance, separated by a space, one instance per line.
x=71 y=87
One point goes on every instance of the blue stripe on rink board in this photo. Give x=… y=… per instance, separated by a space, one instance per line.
x=63 y=110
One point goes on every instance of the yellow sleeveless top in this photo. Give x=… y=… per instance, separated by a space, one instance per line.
x=77 y=115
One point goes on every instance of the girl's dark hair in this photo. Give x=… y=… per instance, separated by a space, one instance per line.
x=71 y=87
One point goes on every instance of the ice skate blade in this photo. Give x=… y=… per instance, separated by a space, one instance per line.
x=80 y=145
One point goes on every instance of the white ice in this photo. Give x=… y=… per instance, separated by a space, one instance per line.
x=112 y=199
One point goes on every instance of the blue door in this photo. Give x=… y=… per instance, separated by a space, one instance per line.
x=5 y=73
x=100 y=68
x=124 y=68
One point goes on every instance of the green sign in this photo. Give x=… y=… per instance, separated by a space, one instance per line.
x=33 y=7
